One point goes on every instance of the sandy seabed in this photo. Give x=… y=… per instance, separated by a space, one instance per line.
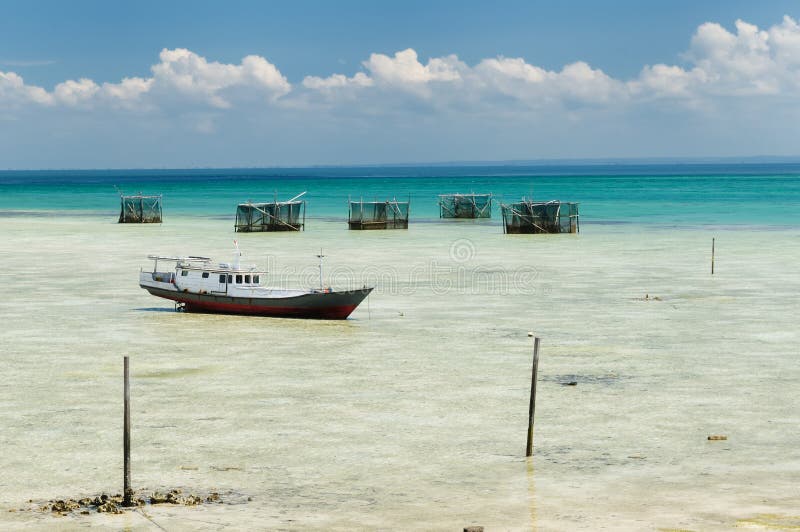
x=413 y=413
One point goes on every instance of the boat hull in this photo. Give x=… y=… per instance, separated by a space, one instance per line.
x=314 y=305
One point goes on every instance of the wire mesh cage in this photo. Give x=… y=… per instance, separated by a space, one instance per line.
x=140 y=209
x=529 y=217
x=465 y=206
x=272 y=216
x=378 y=214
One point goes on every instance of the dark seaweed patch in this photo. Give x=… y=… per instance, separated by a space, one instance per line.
x=607 y=379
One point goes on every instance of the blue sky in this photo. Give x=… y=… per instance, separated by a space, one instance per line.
x=369 y=82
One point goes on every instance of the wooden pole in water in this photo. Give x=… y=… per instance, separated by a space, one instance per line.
x=532 y=404
x=126 y=441
x=712 y=256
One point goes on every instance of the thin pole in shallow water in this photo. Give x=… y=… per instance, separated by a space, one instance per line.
x=532 y=404
x=320 y=257
x=712 y=256
x=126 y=440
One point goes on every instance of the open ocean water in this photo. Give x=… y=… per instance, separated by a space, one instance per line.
x=413 y=413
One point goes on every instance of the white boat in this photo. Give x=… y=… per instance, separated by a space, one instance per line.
x=197 y=284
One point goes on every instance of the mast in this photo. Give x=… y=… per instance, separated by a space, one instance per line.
x=320 y=257
x=236 y=255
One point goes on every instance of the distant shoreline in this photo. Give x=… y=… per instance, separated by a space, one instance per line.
x=744 y=161
x=433 y=171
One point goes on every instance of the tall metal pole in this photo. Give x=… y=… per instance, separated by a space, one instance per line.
x=126 y=441
x=320 y=256
x=532 y=404
x=712 y=256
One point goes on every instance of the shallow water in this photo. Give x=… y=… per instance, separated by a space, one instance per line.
x=413 y=413
x=676 y=194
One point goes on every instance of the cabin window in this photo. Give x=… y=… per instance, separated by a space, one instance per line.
x=230 y=279
x=184 y=273
x=238 y=279
x=205 y=275
x=256 y=279
x=222 y=278
x=246 y=279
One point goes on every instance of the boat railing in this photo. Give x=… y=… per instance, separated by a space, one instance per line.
x=190 y=258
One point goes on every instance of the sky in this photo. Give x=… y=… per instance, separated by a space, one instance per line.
x=97 y=84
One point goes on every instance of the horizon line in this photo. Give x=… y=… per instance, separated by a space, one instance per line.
x=553 y=162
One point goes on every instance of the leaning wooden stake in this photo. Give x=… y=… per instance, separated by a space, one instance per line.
x=532 y=404
x=712 y=256
x=126 y=442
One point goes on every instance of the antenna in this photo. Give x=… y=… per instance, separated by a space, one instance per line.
x=320 y=257
x=236 y=255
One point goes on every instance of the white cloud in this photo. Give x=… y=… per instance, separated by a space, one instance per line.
x=189 y=74
x=579 y=81
x=73 y=92
x=337 y=81
x=14 y=91
x=576 y=82
x=503 y=68
x=180 y=72
x=405 y=71
x=736 y=64
x=784 y=39
x=664 y=81
x=127 y=91
x=746 y=63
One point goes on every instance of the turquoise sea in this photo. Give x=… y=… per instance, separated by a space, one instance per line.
x=676 y=194
x=412 y=414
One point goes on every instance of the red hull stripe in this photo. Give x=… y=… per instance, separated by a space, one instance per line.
x=319 y=308
x=330 y=313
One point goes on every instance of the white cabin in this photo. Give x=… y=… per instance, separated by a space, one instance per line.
x=199 y=275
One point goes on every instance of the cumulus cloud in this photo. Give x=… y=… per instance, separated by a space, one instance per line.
x=404 y=70
x=736 y=63
x=180 y=72
x=189 y=74
x=14 y=91
x=576 y=82
x=511 y=69
x=127 y=92
x=665 y=81
x=747 y=62
x=337 y=81
x=784 y=39
x=73 y=92
x=743 y=62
